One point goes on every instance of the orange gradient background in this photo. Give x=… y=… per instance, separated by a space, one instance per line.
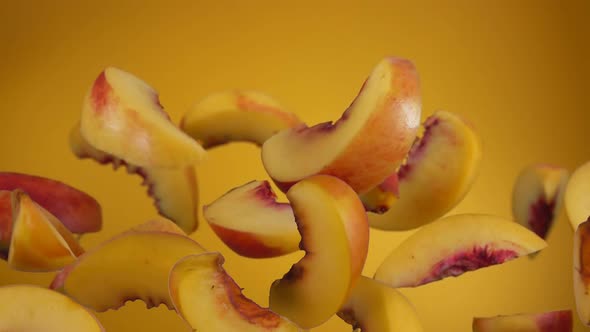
x=518 y=70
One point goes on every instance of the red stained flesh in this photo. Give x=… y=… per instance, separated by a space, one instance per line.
x=541 y=216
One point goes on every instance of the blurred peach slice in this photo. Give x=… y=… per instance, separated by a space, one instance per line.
x=365 y=145
x=6 y=221
x=454 y=245
x=577 y=196
x=554 y=321
x=582 y=271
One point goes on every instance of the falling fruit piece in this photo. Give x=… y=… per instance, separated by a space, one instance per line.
x=554 y=321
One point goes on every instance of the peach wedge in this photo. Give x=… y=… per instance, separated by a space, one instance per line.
x=35 y=309
x=554 y=321
x=210 y=300
x=334 y=235
x=577 y=196
x=454 y=245
x=438 y=172
x=365 y=145
x=236 y=116
x=582 y=271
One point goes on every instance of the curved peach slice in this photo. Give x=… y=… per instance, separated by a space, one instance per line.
x=454 y=245
x=250 y=221
x=40 y=242
x=554 y=321
x=577 y=196
x=131 y=266
x=582 y=271
x=232 y=116
x=210 y=300
x=373 y=307
x=335 y=235
x=537 y=197
x=438 y=172
x=365 y=145
x=79 y=212
x=122 y=116
x=5 y=222
x=32 y=308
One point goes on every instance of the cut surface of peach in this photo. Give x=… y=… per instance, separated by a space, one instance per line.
x=35 y=309
x=334 y=234
x=210 y=300
x=438 y=172
x=250 y=221
x=365 y=145
x=454 y=245
x=577 y=196
x=581 y=271
x=553 y=321
x=5 y=222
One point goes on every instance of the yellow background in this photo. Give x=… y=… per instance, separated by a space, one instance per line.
x=517 y=69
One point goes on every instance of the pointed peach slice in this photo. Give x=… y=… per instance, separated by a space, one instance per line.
x=438 y=172
x=554 y=321
x=35 y=309
x=40 y=242
x=537 y=197
x=131 y=266
x=454 y=245
x=335 y=235
x=210 y=300
x=5 y=222
x=234 y=116
x=365 y=145
x=250 y=221
x=582 y=271
x=577 y=196
x=122 y=116
x=79 y=212
x=373 y=307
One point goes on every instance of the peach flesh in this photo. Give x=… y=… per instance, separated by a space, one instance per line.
x=585 y=253
x=245 y=242
x=417 y=148
x=542 y=214
x=5 y=222
x=560 y=321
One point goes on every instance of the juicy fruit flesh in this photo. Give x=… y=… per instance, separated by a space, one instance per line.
x=553 y=321
x=585 y=253
x=541 y=216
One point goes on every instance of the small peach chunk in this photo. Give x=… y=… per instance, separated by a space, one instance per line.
x=553 y=321
x=577 y=196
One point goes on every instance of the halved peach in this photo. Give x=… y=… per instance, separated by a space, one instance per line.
x=5 y=222
x=438 y=172
x=131 y=266
x=582 y=271
x=32 y=308
x=537 y=197
x=233 y=116
x=210 y=300
x=250 y=221
x=335 y=235
x=577 y=196
x=554 y=321
x=122 y=116
x=454 y=245
x=365 y=145
x=373 y=307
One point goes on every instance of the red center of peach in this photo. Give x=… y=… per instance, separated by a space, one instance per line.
x=100 y=93
x=541 y=216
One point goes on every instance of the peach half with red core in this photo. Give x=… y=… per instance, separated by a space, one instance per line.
x=334 y=235
x=35 y=309
x=582 y=271
x=131 y=266
x=365 y=145
x=553 y=321
x=577 y=196
x=236 y=116
x=122 y=116
x=208 y=299
x=438 y=172
x=250 y=221
x=454 y=245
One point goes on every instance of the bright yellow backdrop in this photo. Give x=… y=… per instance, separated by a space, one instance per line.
x=517 y=69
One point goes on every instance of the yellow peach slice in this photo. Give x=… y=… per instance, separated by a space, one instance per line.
x=454 y=245
x=122 y=116
x=373 y=307
x=365 y=145
x=577 y=196
x=554 y=321
x=250 y=221
x=537 y=197
x=35 y=309
x=335 y=235
x=5 y=222
x=582 y=271
x=233 y=116
x=210 y=300
x=438 y=172
x=131 y=266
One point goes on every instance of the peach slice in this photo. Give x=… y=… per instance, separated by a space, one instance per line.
x=373 y=307
x=335 y=235
x=250 y=221
x=454 y=245
x=39 y=242
x=174 y=190
x=577 y=196
x=35 y=309
x=5 y=222
x=79 y=212
x=131 y=266
x=232 y=116
x=537 y=197
x=365 y=145
x=554 y=321
x=210 y=300
x=122 y=116
x=582 y=271
x=438 y=172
